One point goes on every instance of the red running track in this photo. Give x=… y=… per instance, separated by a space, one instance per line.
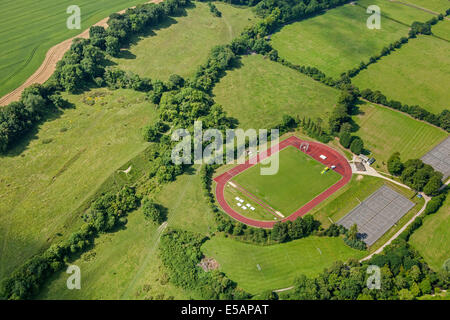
x=315 y=150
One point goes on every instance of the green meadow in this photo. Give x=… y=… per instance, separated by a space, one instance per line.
x=336 y=41
x=433 y=237
x=57 y=168
x=415 y=74
x=29 y=28
x=181 y=44
x=397 y=11
x=260 y=92
x=439 y=6
x=125 y=264
x=260 y=268
x=386 y=131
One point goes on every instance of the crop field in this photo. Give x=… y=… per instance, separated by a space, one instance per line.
x=397 y=11
x=28 y=28
x=335 y=41
x=432 y=239
x=263 y=91
x=395 y=132
x=435 y=5
x=181 y=44
x=125 y=264
x=298 y=181
x=413 y=75
x=55 y=170
x=279 y=264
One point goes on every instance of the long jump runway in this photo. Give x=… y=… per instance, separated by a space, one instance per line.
x=315 y=150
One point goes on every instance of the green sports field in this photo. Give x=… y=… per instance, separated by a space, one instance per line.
x=432 y=239
x=414 y=75
x=263 y=91
x=279 y=264
x=336 y=41
x=386 y=131
x=181 y=44
x=298 y=181
x=28 y=28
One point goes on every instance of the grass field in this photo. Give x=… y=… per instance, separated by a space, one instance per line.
x=260 y=213
x=28 y=28
x=279 y=264
x=432 y=239
x=414 y=75
x=386 y=131
x=55 y=170
x=183 y=43
x=397 y=11
x=335 y=41
x=297 y=181
x=435 y=5
x=263 y=91
x=442 y=30
x=125 y=264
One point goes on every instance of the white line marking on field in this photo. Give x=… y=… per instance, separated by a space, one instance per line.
x=279 y=213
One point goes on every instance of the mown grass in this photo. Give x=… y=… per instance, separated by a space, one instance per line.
x=432 y=239
x=297 y=181
x=336 y=41
x=416 y=74
x=435 y=5
x=261 y=91
x=385 y=131
x=442 y=29
x=279 y=264
x=56 y=169
x=125 y=264
x=29 y=28
x=181 y=44
x=397 y=11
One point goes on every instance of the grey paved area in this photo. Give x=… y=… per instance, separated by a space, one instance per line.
x=377 y=214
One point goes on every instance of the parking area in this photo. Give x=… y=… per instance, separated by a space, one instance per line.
x=377 y=214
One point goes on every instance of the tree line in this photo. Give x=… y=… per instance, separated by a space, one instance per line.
x=416 y=174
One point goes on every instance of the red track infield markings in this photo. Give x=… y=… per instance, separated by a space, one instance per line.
x=315 y=150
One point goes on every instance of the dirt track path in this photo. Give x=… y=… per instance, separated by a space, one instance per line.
x=54 y=54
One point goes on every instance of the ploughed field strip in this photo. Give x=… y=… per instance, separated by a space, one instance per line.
x=377 y=214
x=439 y=158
